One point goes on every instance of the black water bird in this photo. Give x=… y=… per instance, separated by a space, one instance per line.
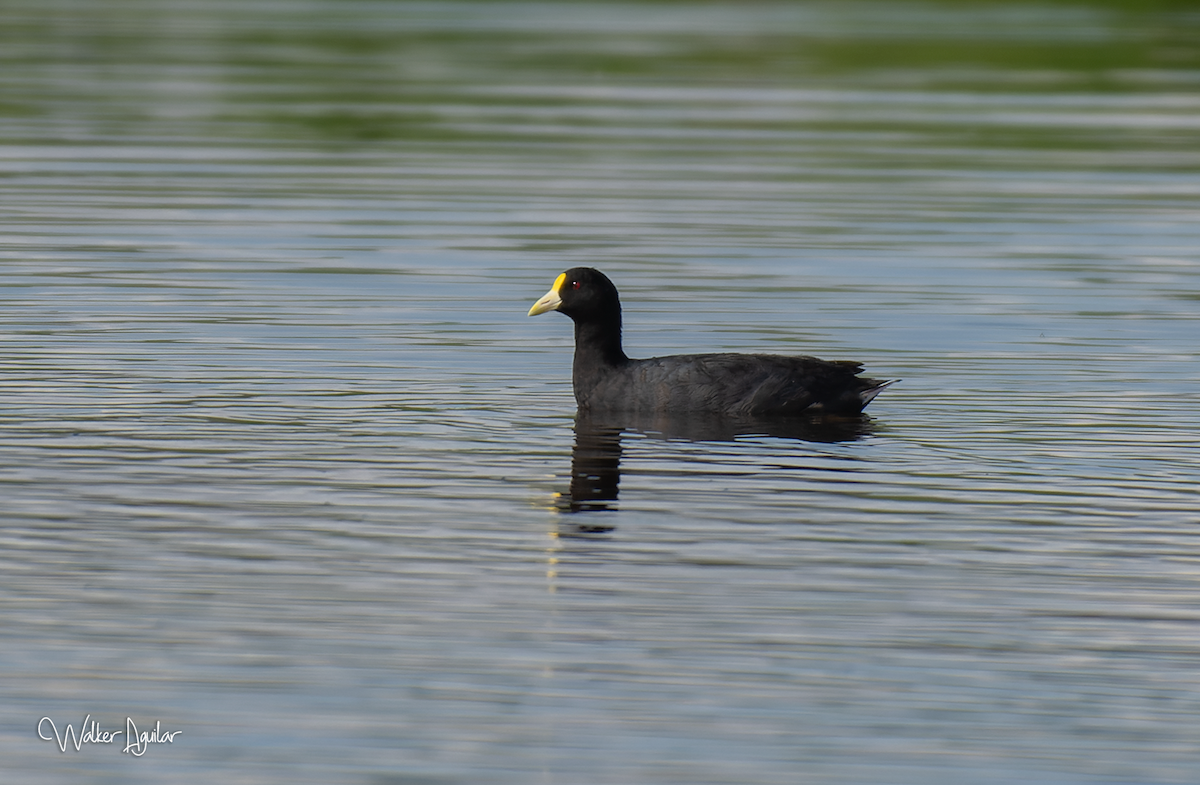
x=736 y=385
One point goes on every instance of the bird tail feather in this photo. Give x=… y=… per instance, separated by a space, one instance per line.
x=869 y=394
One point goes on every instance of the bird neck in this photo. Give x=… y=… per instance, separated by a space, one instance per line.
x=598 y=345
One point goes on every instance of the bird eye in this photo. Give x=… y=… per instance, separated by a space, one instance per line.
x=574 y=284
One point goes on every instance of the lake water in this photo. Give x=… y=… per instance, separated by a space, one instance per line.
x=284 y=465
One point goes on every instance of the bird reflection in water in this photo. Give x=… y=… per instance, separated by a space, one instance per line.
x=596 y=456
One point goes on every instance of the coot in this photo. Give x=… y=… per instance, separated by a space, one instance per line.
x=740 y=385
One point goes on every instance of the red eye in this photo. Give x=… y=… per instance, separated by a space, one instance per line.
x=574 y=284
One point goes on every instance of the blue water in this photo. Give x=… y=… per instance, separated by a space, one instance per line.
x=285 y=466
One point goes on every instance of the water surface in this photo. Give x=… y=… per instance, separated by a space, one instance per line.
x=285 y=466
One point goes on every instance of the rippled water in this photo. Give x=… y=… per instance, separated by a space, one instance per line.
x=286 y=467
